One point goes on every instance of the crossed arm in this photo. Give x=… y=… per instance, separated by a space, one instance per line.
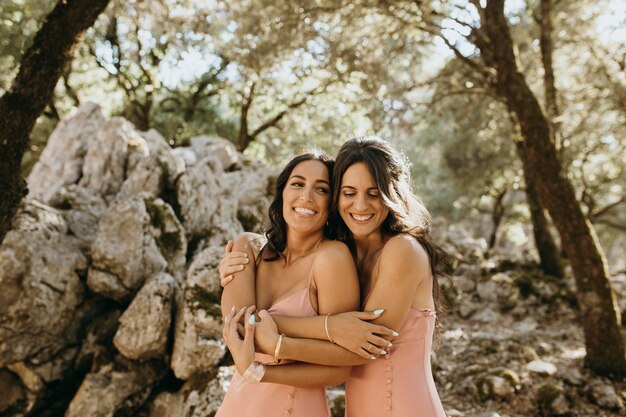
x=394 y=290
x=335 y=278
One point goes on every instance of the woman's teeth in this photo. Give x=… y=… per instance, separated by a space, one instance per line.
x=361 y=218
x=303 y=211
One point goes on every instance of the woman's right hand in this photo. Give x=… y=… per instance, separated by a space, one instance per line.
x=352 y=331
x=231 y=262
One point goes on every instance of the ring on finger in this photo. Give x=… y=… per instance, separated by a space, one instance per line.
x=369 y=346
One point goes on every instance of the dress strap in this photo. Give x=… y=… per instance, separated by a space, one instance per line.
x=308 y=284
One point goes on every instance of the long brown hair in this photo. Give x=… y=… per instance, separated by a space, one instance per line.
x=407 y=212
x=276 y=232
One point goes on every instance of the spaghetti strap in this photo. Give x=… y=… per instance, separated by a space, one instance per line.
x=308 y=284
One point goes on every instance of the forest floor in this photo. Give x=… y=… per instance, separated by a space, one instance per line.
x=536 y=348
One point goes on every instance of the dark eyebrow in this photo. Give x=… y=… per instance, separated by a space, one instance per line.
x=300 y=177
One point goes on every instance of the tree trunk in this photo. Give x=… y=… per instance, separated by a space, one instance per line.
x=598 y=308
x=549 y=88
x=549 y=258
x=32 y=89
x=496 y=217
x=244 y=138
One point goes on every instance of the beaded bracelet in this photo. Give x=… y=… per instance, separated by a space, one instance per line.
x=326 y=328
x=252 y=375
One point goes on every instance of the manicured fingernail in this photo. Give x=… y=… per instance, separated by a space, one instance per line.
x=251 y=320
x=372 y=357
x=379 y=311
x=382 y=352
x=232 y=310
x=246 y=260
x=241 y=267
x=395 y=334
x=389 y=344
x=243 y=308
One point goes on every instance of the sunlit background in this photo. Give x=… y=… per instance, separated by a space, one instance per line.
x=281 y=76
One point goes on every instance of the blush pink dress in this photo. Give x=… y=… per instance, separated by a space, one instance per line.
x=275 y=400
x=401 y=383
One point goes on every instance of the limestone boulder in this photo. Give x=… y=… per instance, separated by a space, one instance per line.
x=137 y=237
x=203 y=271
x=252 y=187
x=81 y=211
x=501 y=289
x=154 y=172
x=118 y=388
x=208 y=208
x=198 y=344
x=107 y=160
x=222 y=149
x=198 y=397
x=40 y=276
x=145 y=325
x=61 y=162
x=124 y=253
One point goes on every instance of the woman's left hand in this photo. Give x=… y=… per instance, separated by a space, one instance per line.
x=266 y=334
x=242 y=350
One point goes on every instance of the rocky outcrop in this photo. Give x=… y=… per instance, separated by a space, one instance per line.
x=144 y=326
x=110 y=290
x=41 y=268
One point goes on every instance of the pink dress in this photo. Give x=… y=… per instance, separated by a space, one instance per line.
x=275 y=400
x=401 y=383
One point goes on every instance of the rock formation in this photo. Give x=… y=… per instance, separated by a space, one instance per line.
x=110 y=290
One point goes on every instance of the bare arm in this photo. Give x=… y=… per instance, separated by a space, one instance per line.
x=241 y=292
x=404 y=270
x=335 y=277
x=306 y=375
x=404 y=266
x=349 y=330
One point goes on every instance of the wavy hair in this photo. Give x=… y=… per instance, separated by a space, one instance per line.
x=276 y=232
x=407 y=212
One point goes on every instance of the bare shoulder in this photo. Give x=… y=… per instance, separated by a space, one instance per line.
x=333 y=251
x=406 y=248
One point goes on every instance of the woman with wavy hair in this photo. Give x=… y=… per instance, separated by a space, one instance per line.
x=386 y=227
x=298 y=272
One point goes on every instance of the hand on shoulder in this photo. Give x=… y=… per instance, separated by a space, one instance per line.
x=249 y=242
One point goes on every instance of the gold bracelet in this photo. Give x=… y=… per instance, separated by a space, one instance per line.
x=277 y=350
x=326 y=328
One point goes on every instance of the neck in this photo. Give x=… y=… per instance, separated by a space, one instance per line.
x=367 y=246
x=299 y=245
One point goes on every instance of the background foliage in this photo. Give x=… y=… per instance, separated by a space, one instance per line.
x=275 y=77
